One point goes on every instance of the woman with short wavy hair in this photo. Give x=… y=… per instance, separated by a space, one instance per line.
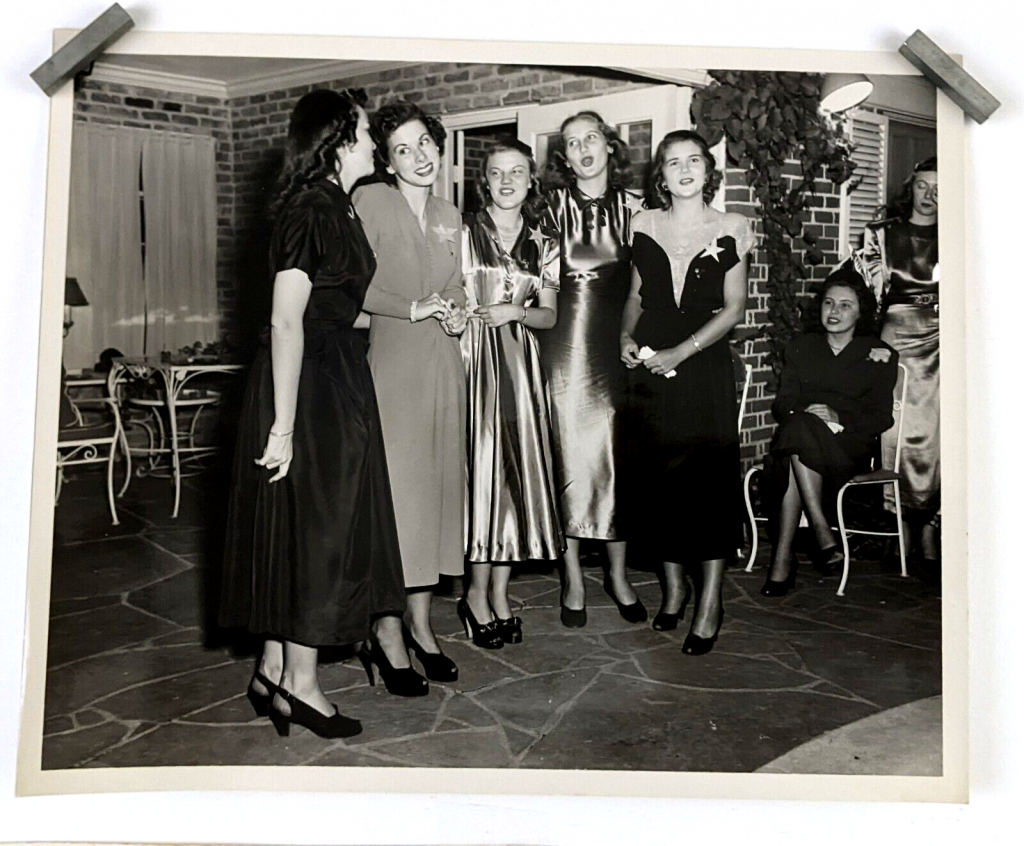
x=417 y=364
x=689 y=290
x=591 y=212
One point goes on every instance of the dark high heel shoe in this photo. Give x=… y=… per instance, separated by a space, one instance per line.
x=821 y=560
x=261 y=701
x=572 y=618
x=633 y=613
x=696 y=645
x=436 y=665
x=665 y=622
x=334 y=726
x=772 y=588
x=398 y=682
x=484 y=635
x=510 y=629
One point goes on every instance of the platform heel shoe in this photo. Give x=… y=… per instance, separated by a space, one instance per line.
x=436 y=665
x=261 y=701
x=484 y=635
x=335 y=726
x=510 y=628
x=398 y=682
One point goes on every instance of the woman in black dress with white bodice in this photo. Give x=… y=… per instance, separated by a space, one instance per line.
x=689 y=290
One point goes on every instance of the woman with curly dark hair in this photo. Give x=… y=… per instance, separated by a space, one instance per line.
x=689 y=290
x=510 y=270
x=900 y=260
x=417 y=364
x=833 y=402
x=312 y=556
x=591 y=213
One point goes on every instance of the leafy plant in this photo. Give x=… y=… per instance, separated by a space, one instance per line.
x=767 y=120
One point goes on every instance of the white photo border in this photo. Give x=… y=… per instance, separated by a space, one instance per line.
x=951 y=786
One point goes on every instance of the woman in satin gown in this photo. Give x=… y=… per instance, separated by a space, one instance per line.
x=900 y=260
x=510 y=272
x=591 y=215
x=312 y=555
x=689 y=290
x=834 y=401
x=417 y=364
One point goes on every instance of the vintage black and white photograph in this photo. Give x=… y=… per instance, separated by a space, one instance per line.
x=523 y=416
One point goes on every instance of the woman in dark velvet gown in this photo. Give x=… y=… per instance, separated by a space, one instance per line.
x=689 y=290
x=900 y=261
x=834 y=400
x=312 y=555
x=581 y=353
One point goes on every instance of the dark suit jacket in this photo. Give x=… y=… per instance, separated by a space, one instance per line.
x=857 y=384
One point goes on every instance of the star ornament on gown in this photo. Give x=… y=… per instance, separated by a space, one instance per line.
x=583 y=276
x=444 y=233
x=712 y=250
x=537 y=237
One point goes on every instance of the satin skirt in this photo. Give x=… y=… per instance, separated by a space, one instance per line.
x=314 y=557
x=513 y=511
x=913 y=331
x=588 y=397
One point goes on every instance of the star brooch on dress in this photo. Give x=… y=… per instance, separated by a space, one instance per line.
x=711 y=250
x=444 y=233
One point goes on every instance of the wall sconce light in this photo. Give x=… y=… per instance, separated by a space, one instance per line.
x=842 y=91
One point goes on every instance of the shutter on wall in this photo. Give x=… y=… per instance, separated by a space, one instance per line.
x=870 y=138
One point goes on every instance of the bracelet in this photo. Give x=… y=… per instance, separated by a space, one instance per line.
x=696 y=343
x=524 y=314
x=280 y=434
x=412 y=311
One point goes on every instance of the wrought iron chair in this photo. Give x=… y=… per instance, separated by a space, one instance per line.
x=880 y=476
x=93 y=438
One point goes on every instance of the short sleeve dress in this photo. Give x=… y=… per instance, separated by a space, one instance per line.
x=513 y=497
x=685 y=455
x=421 y=384
x=581 y=357
x=314 y=557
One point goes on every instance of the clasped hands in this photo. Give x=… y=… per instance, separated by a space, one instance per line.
x=449 y=313
x=823 y=412
x=661 y=363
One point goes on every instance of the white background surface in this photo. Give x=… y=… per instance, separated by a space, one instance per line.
x=991 y=45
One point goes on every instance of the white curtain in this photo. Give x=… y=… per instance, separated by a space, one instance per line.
x=104 y=252
x=179 y=187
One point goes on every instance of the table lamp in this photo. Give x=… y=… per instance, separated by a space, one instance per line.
x=73 y=298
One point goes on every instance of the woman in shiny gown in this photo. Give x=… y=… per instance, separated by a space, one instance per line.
x=510 y=272
x=312 y=554
x=689 y=290
x=417 y=364
x=591 y=215
x=900 y=260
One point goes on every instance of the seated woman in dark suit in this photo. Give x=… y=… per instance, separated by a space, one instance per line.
x=834 y=401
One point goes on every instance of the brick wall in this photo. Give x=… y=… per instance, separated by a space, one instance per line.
x=250 y=133
x=821 y=219
x=162 y=111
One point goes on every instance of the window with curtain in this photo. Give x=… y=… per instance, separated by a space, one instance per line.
x=124 y=183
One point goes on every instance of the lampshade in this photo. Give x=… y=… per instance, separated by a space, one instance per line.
x=73 y=295
x=842 y=91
